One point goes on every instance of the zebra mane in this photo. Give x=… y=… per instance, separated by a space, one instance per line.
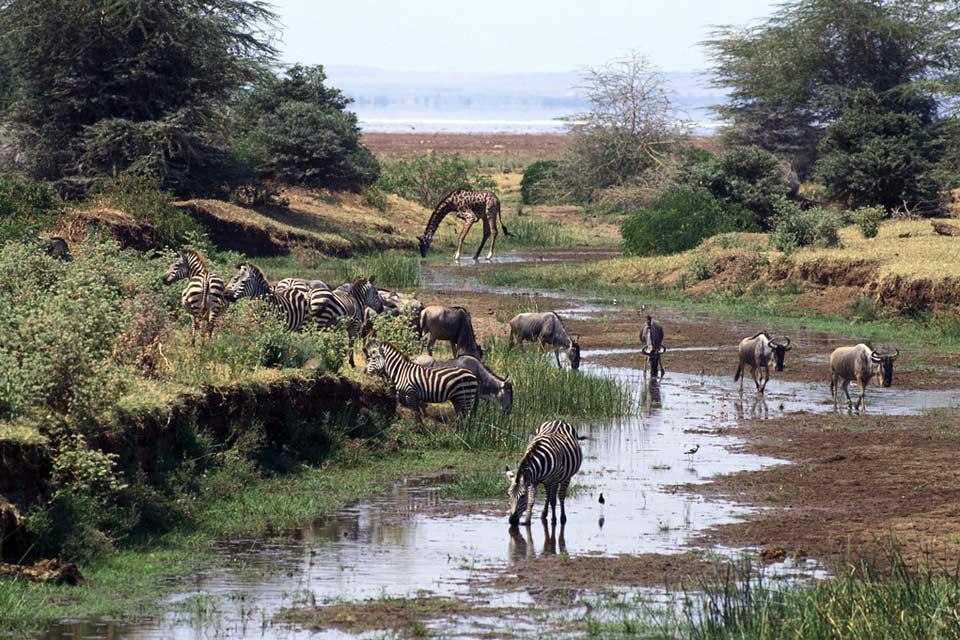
x=395 y=348
x=257 y=270
x=199 y=256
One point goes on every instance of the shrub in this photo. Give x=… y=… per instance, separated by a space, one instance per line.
x=539 y=183
x=426 y=179
x=699 y=267
x=142 y=198
x=745 y=176
x=868 y=219
x=795 y=227
x=296 y=129
x=681 y=218
x=26 y=207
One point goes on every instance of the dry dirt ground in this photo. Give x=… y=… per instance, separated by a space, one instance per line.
x=498 y=145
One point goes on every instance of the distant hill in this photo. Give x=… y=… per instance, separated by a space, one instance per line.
x=433 y=101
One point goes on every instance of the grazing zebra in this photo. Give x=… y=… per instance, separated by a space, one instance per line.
x=292 y=305
x=416 y=385
x=306 y=286
x=203 y=298
x=329 y=308
x=552 y=458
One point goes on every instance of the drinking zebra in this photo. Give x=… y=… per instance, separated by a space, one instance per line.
x=292 y=305
x=203 y=297
x=329 y=308
x=416 y=385
x=552 y=458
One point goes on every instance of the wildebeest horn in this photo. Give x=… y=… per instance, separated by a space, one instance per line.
x=895 y=355
x=645 y=350
x=876 y=356
x=786 y=346
x=663 y=349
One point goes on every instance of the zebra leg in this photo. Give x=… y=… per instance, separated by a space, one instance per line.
x=463 y=236
x=531 y=496
x=564 y=484
x=193 y=331
x=547 y=499
x=557 y=354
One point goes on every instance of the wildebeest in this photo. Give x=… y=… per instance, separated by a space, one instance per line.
x=859 y=363
x=492 y=386
x=546 y=329
x=756 y=352
x=652 y=338
x=57 y=247
x=453 y=324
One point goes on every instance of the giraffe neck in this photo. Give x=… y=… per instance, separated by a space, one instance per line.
x=439 y=213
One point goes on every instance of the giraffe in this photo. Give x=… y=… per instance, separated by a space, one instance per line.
x=470 y=206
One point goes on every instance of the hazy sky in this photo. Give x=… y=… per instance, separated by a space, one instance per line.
x=503 y=35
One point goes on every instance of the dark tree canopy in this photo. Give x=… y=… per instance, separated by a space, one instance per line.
x=296 y=129
x=792 y=75
x=113 y=86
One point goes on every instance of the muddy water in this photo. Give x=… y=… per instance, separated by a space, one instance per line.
x=404 y=542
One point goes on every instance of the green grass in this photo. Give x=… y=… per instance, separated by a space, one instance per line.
x=760 y=303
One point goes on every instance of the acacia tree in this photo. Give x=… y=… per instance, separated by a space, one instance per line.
x=793 y=74
x=628 y=130
x=106 y=87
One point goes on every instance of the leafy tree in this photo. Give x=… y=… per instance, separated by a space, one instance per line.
x=127 y=86
x=792 y=75
x=296 y=129
x=744 y=177
x=628 y=131
x=426 y=179
x=878 y=153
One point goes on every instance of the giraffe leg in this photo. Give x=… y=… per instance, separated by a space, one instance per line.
x=493 y=229
x=483 y=241
x=463 y=236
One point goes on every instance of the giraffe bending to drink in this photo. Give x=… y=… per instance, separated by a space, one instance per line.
x=470 y=206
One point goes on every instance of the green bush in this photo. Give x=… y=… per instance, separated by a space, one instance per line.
x=425 y=179
x=141 y=197
x=681 y=218
x=26 y=207
x=795 y=227
x=745 y=176
x=297 y=130
x=868 y=219
x=539 y=183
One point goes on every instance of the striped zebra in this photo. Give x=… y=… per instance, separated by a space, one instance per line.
x=306 y=286
x=552 y=458
x=330 y=308
x=292 y=305
x=416 y=385
x=203 y=297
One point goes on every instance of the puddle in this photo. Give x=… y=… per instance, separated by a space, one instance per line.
x=397 y=544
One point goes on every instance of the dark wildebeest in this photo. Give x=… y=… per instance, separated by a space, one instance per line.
x=492 y=386
x=652 y=338
x=546 y=329
x=453 y=324
x=756 y=352
x=57 y=247
x=859 y=363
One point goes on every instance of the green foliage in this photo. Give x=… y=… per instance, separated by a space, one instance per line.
x=539 y=183
x=744 y=176
x=699 y=267
x=426 y=179
x=399 y=330
x=795 y=227
x=26 y=207
x=881 y=151
x=791 y=75
x=141 y=197
x=391 y=268
x=295 y=129
x=681 y=218
x=869 y=219
x=864 y=309
x=375 y=198
x=130 y=86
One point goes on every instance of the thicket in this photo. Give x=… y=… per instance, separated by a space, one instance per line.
x=540 y=182
x=795 y=227
x=427 y=178
x=26 y=207
x=679 y=220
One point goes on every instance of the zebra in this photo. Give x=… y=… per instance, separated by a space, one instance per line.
x=292 y=305
x=416 y=385
x=552 y=458
x=203 y=297
x=306 y=286
x=329 y=308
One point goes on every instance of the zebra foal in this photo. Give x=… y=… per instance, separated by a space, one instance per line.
x=291 y=305
x=203 y=297
x=416 y=385
x=551 y=459
x=329 y=308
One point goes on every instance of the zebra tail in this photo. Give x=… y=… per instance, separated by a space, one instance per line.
x=739 y=372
